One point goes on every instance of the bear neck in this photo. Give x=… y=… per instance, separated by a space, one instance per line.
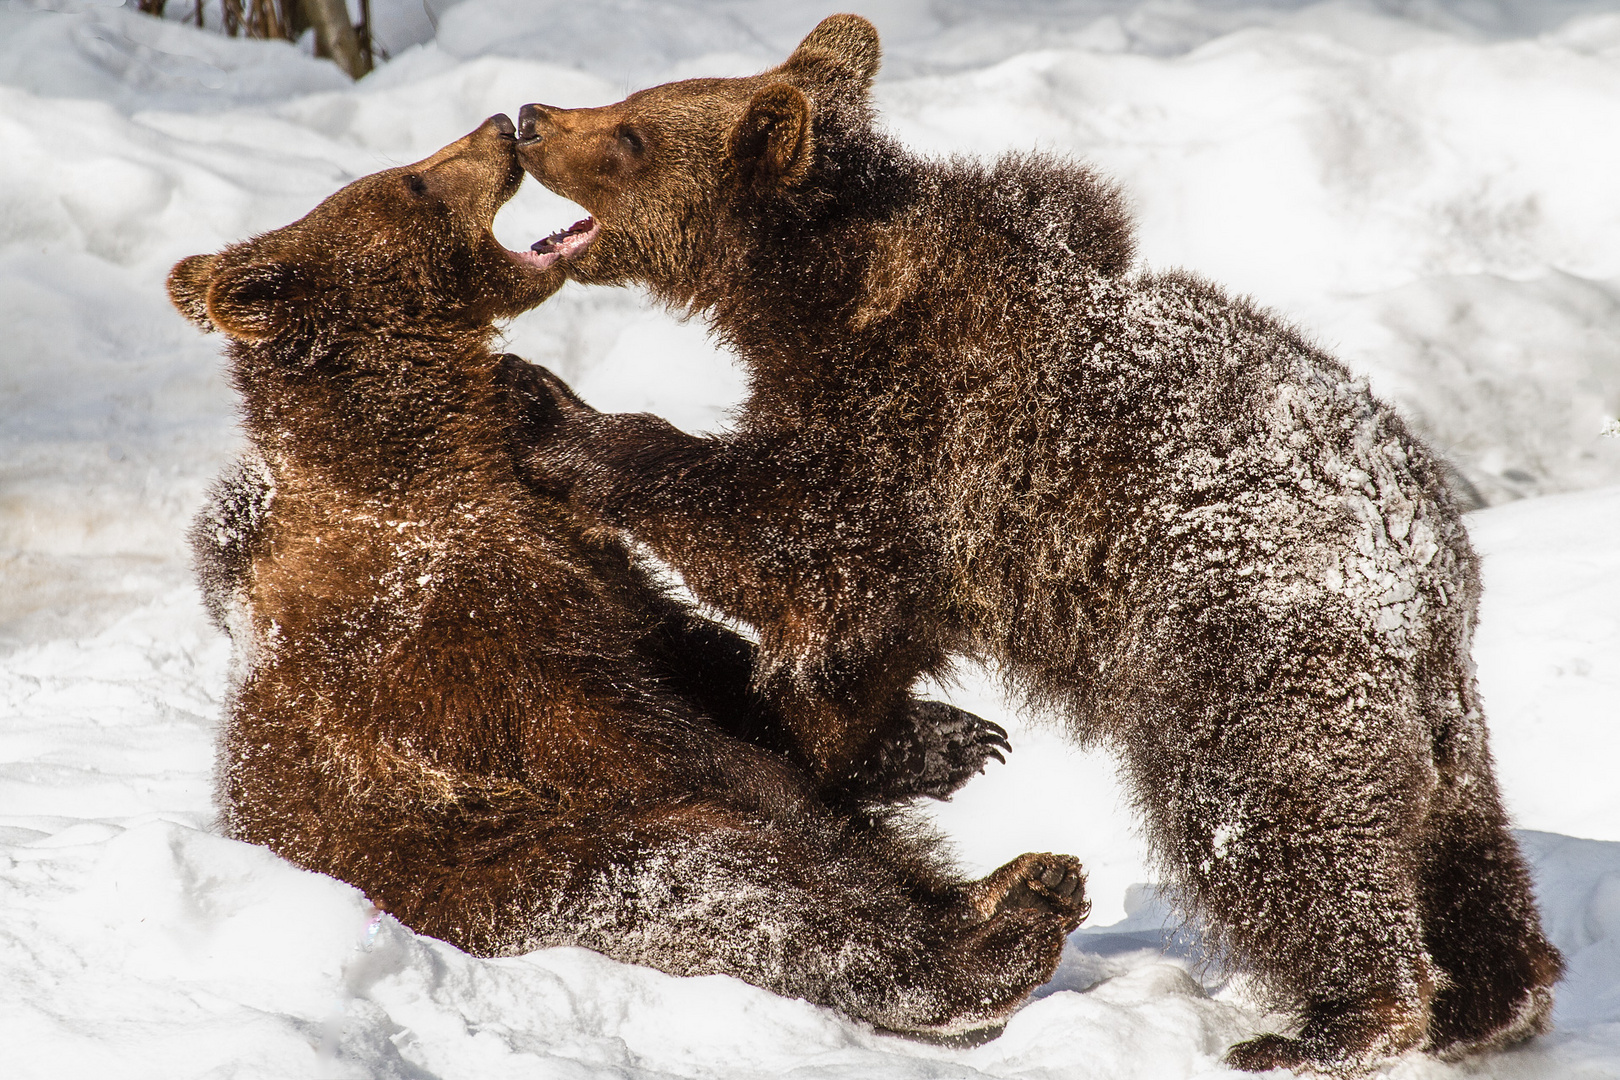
x=888 y=273
x=401 y=415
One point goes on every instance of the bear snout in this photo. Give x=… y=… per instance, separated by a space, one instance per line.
x=533 y=120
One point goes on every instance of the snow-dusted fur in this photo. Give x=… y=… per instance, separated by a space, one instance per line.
x=1157 y=508
x=456 y=695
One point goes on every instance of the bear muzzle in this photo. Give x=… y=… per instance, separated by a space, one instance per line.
x=535 y=122
x=532 y=122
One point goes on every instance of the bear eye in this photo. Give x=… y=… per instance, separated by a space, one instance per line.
x=630 y=139
x=417 y=185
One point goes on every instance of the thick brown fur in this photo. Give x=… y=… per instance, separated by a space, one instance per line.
x=454 y=693
x=972 y=429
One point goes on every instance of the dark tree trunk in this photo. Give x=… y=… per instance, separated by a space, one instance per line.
x=335 y=36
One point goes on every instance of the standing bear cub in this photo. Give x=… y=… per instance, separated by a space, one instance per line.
x=456 y=695
x=972 y=429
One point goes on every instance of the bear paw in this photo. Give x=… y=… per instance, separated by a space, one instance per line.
x=1339 y=1038
x=1040 y=882
x=569 y=450
x=543 y=388
x=934 y=751
x=1265 y=1053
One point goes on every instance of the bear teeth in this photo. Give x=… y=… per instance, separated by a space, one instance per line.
x=568 y=242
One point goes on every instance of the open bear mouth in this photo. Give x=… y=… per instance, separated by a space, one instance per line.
x=562 y=245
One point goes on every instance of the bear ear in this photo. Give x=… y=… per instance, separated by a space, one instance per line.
x=771 y=144
x=188 y=287
x=848 y=40
x=258 y=300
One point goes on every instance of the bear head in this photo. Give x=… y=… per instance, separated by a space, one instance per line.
x=650 y=168
x=409 y=248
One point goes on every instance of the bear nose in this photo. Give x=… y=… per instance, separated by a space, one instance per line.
x=530 y=119
x=503 y=124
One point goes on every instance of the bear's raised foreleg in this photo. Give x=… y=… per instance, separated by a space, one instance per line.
x=225 y=535
x=764 y=534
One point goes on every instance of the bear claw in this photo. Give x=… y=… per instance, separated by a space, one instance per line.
x=936 y=750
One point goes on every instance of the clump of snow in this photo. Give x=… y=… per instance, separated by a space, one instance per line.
x=1426 y=187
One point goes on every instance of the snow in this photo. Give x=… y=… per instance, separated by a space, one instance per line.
x=1427 y=186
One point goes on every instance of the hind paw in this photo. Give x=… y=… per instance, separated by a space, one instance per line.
x=1041 y=882
x=1339 y=1038
x=1266 y=1052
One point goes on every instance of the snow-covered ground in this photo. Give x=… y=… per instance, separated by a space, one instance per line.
x=1428 y=185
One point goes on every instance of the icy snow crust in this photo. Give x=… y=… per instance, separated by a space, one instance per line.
x=1428 y=187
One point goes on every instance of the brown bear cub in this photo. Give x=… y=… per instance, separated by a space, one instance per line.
x=972 y=429
x=457 y=695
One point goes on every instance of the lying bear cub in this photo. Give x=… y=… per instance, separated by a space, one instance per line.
x=1160 y=510
x=455 y=694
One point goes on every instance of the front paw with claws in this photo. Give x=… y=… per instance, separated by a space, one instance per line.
x=570 y=450
x=933 y=751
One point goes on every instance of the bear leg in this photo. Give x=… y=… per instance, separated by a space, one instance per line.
x=225 y=534
x=1306 y=879
x=1325 y=911
x=851 y=915
x=1345 y=949
x=1481 y=925
x=1288 y=791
